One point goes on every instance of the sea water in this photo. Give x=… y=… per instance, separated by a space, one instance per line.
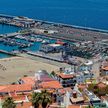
x=87 y=13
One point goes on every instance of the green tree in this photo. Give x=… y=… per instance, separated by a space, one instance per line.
x=36 y=99
x=91 y=87
x=52 y=73
x=9 y=103
x=107 y=89
x=43 y=99
x=46 y=98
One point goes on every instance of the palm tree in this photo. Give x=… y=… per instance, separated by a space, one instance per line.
x=46 y=98
x=43 y=99
x=9 y=103
x=36 y=99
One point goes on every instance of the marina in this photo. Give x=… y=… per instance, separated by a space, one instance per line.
x=49 y=37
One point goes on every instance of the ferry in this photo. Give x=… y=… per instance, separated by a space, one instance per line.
x=20 y=37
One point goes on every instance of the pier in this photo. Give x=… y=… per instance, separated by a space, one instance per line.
x=6 y=16
x=6 y=52
x=9 y=35
x=45 y=56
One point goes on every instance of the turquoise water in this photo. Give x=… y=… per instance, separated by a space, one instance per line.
x=37 y=45
x=2 y=55
x=7 y=47
x=7 y=29
x=88 y=13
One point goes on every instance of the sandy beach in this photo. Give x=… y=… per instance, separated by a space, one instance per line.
x=14 y=68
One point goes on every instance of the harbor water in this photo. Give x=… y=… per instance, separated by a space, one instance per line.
x=7 y=47
x=3 y=55
x=8 y=29
x=3 y=30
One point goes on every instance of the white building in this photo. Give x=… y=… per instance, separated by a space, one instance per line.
x=69 y=76
x=87 y=66
x=81 y=77
x=51 y=48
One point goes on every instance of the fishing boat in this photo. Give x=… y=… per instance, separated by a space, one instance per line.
x=60 y=42
x=32 y=39
x=39 y=39
x=45 y=41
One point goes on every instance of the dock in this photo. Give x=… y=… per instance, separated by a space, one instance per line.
x=45 y=56
x=9 y=35
x=7 y=52
x=7 y=16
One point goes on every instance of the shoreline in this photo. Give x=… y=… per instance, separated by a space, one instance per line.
x=57 y=23
x=74 y=26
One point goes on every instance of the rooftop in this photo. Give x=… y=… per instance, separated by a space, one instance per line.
x=65 y=76
x=104 y=65
x=51 y=84
x=46 y=78
x=15 y=88
x=105 y=68
x=64 y=90
x=24 y=105
x=82 y=86
x=74 y=106
x=28 y=80
x=104 y=98
x=88 y=63
x=78 y=99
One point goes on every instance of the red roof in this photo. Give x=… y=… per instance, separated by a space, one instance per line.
x=46 y=78
x=51 y=84
x=16 y=88
x=63 y=90
x=65 y=76
x=24 y=105
x=28 y=80
x=105 y=68
x=74 y=106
